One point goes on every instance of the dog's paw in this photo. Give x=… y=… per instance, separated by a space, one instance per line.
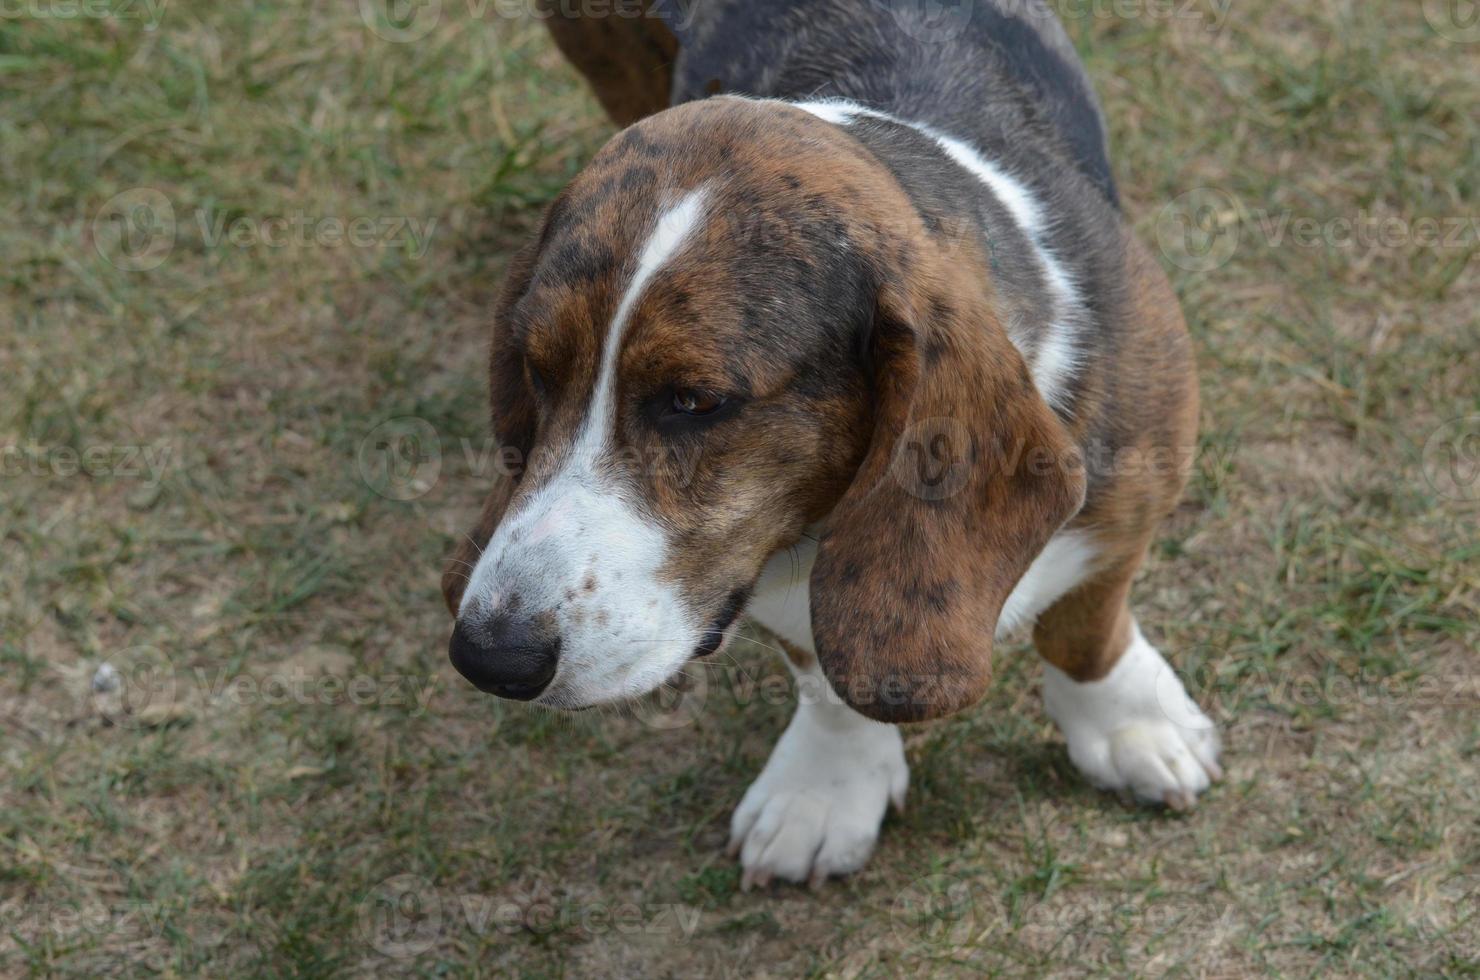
x=815 y=809
x=1136 y=729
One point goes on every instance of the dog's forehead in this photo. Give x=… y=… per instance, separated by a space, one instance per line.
x=777 y=246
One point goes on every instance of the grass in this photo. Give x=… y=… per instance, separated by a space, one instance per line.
x=291 y=781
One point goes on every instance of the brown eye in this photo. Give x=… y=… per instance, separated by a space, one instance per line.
x=686 y=401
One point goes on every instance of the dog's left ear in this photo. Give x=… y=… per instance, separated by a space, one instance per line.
x=967 y=476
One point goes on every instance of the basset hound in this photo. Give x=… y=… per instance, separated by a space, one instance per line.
x=845 y=332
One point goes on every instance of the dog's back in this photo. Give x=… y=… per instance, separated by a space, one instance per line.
x=1001 y=74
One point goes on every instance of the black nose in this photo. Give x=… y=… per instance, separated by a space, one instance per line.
x=505 y=656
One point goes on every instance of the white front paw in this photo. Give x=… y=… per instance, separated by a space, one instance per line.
x=815 y=809
x=1136 y=729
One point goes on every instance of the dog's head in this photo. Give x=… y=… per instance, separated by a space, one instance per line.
x=734 y=324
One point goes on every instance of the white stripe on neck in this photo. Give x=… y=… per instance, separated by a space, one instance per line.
x=1057 y=356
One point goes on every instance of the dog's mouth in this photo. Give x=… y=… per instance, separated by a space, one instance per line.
x=719 y=630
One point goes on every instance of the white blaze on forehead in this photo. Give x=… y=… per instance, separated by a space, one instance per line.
x=673 y=228
x=1057 y=355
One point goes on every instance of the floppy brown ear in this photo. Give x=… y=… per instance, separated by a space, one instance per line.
x=968 y=475
x=512 y=411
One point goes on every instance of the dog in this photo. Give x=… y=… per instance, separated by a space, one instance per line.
x=845 y=332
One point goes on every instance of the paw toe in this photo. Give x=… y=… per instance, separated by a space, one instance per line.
x=799 y=837
x=847 y=846
x=1157 y=765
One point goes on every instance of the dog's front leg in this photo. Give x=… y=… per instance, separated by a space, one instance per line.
x=816 y=808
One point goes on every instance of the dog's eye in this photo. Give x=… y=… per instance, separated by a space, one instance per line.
x=536 y=380
x=687 y=411
x=687 y=401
